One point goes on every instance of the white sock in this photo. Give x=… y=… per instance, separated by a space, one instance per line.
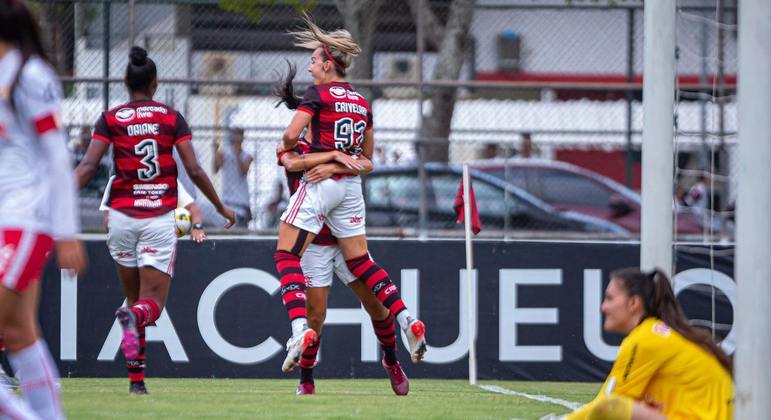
x=39 y=379
x=298 y=325
x=14 y=407
x=404 y=319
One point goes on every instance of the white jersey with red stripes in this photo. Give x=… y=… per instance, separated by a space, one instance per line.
x=26 y=186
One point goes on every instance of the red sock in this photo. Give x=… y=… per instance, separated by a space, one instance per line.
x=386 y=335
x=292 y=283
x=378 y=281
x=136 y=368
x=147 y=311
x=308 y=358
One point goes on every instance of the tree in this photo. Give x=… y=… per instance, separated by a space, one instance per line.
x=57 y=27
x=452 y=41
x=360 y=17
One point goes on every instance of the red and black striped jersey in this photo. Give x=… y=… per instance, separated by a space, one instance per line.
x=340 y=117
x=143 y=134
x=293 y=179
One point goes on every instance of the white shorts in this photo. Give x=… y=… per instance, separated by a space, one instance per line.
x=143 y=242
x=319 y=262
x=339 y=203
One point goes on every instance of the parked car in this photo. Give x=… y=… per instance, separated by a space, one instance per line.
x=569 y=187
x=392 y=194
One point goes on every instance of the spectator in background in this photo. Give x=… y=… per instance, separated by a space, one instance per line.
x=235 y=163
x=80 y=144
x=528 y=149
x=379 y=156
x=276 y=204
x=490 y=151
x=79 y=147
x=696 y=197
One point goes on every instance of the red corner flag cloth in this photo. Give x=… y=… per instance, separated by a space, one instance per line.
x=476 y=224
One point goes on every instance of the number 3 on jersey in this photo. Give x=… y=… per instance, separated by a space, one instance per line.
x=149 y=149
x=348 y=136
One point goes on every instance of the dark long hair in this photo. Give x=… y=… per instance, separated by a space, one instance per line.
x=659 y=300
x=140 y=70
x=19 y=28
x=283 y=89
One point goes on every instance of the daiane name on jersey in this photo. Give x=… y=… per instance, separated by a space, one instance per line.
x=143 y=129
x=350 y=108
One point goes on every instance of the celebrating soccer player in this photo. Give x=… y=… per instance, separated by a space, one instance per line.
x=665 y=368
x=340 y=119
x=322 y=258
x=141 y=229
x=39 y=211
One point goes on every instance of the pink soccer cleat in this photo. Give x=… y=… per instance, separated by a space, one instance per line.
x=399 y=382
x=306 y=388
x=130 y=342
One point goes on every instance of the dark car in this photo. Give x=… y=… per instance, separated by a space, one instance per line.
x=392 y=194
x=569 y=187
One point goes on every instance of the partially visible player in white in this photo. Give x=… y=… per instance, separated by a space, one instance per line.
x=38 y=209
x=184 y=200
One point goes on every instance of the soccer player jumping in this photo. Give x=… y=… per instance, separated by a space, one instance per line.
x=339 y=119
x=323 y=259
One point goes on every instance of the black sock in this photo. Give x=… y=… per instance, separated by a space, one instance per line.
x=390 y=355
x=306 y=375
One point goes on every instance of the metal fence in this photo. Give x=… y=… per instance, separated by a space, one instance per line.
x=535 y=93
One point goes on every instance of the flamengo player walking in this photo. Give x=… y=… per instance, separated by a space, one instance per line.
x=141 y=230
x=339 y=119
x=37 y=209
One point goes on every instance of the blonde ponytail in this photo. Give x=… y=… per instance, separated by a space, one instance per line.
x=338 y=45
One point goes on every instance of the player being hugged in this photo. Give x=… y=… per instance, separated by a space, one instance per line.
x=38 y=210
x=141 y=228
x=340 y=119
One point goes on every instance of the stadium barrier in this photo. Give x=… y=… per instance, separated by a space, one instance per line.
x=537 y=311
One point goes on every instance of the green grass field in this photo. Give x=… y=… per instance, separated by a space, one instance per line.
x=335 y=398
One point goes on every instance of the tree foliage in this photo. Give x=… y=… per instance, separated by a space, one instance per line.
x=254 y=10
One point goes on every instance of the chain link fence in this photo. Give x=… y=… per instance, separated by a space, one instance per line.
x=543 y=99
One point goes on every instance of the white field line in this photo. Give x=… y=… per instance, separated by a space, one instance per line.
x=542 y=398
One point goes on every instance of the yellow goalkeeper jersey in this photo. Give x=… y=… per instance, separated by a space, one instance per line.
x=659 y=367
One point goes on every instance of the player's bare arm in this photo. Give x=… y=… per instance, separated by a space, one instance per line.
x=292 y=133
x=197 y=233
x=327 y=170
x=295 y=162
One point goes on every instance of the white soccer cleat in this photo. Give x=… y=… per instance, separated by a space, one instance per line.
x=416 y=338
x=295 y=348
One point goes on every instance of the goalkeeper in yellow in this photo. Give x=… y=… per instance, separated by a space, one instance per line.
x=665 y=369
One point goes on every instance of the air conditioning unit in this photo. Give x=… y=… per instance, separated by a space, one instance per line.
x=509 y=52
x=217 y=66
x=401 y=68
